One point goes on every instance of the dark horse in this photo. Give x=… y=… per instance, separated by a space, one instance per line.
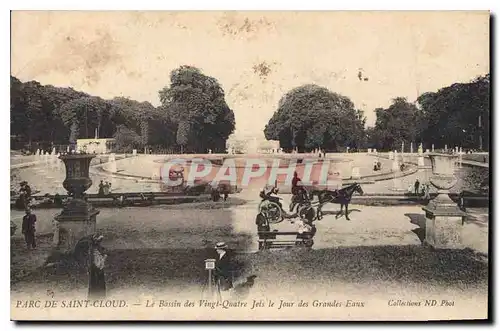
x=342 y=196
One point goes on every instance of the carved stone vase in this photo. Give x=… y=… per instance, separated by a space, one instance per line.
x=78 y=217
x=444 y=219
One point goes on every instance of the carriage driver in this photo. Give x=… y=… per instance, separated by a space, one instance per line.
x=297 y=187
x=267 y=194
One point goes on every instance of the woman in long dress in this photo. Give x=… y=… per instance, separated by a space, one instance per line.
x=97 y=279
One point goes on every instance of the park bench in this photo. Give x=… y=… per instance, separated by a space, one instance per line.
x=267 y=240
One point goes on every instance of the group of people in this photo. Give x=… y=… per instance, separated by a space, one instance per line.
x=420 y=189
x=104 y=188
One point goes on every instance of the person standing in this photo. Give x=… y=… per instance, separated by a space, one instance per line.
x=263 y=226
x=223 y=269
x=97 y=278
x=295 y=183
x=28 y=229
x=26 y=189
x=101 y=188
x=417 y=185
x=427 y=189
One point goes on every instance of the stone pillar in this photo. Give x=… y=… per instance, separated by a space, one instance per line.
x=112 y=163
x=420 y=161
x=444 y=219
x=395 y=163
x=432 y=148
x=78 y=217
x=355 y=174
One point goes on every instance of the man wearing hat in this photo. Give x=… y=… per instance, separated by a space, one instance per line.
x=223 y=270
x=28 y=229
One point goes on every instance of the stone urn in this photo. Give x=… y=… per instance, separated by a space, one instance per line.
x=77 y=173
x=443 y=178
x=444 y=219
x=78 y=217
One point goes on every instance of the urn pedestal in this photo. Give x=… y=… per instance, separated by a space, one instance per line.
x=355 y=173
x=444 y=219
x=420 y=160
x=78 y=217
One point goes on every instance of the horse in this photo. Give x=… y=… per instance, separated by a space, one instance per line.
x=342 y=196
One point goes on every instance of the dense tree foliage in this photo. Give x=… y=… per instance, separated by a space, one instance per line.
x=394 y=125
x=456 y=115
x=196 y=105
x=193 y=115
x=127 y=139
x=311 y=116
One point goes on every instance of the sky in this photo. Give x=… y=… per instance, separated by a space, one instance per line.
x=131 y=54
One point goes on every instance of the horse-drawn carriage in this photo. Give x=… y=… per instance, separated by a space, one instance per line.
x=302 y=206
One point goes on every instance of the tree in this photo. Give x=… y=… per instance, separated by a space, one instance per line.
x=83 y=116
x=50 y=114
x=452 y=114
x=196 y=104
x=126 y=139
x=394 y=125
x=19 y=121
x=311 y=116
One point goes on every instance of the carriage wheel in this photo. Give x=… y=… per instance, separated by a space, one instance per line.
x=273 y=213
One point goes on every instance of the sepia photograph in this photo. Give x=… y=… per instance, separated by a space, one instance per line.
x=250 y=165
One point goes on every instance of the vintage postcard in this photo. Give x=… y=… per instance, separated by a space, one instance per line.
x=295 y=166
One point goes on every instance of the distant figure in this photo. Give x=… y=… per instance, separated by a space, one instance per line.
x=417 y=185
x=427 y=189
x=26 y=189
x=223 y=267
x=411 y=188
x=28 y=229
x=106 y=188
x=101 y=188
x=57 y=200
x=295 y=183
